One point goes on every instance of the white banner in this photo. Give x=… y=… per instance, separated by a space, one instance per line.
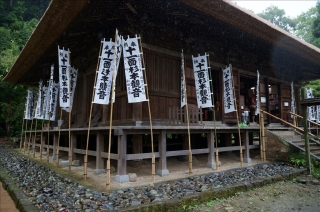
x=104 y=78
x=201 y=78
x=318 y=113
x=64 y=77
x=53 y=98
x=73 y=83
x=257 y=94
x=293 y=108
x=133 y=70
x=29 y=107
x=118 y=56
x=311 y=109
x=183 y=80
x=39 y=109
x=228 y=91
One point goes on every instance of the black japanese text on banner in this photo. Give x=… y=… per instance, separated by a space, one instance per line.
x=104 y=78
x=133 y=71
x=39 y=109
x=257 y=94
x=73 y=83
x=293 y=108
x=228 y=91
x=29 y=107
x=183 y=88
x=64 y=77
x=311 y=110
x=201 y=78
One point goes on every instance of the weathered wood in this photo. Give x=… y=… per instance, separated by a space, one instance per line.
x=142 y=156
x=246 y=142
x=99 y=148
x=162 y=150
x=210 y=141
x=122 y=154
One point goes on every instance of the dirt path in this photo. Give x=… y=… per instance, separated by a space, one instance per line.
x=6 y=203
x=282 y=196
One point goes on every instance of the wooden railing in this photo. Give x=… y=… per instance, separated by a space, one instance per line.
x=309 y=125
x=178 y=116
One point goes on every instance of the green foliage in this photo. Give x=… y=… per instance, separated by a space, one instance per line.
x=278 y=17
x=299 y=159
x=315 y=85
x=18 y=19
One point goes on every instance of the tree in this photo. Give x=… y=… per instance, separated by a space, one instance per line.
x=304 y=26
x=277 y=17
x=18 y=19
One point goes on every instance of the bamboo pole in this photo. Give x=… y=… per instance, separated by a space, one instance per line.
x=34 y=139
x=261 y=139
x=108 y=177
x=187 y=112
x=48 y=141
x=214 y=117
x=150 y=119
x=235 y=105
x=90 y=116
x=41 y=138
x=25 y=137
x=69 y=155
x=29 y=139
x=263 y=136
x=70 y=112
x=57 y=150
x=21 y=133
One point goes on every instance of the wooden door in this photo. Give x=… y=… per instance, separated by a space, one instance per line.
x=285 y=102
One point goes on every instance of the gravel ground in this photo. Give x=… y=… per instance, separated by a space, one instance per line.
x=301 y=194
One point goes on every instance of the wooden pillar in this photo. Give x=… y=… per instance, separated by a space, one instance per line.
x=122 y=175
x=100 y=164
x=73 y=145
x=162 y=171
x=246 y=157
x=44 y=139
x=211 y=160
x=137 y=144
x=55 y=146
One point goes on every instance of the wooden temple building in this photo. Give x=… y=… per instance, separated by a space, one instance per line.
x=229 y=34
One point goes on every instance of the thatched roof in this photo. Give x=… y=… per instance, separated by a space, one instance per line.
x=229 y=33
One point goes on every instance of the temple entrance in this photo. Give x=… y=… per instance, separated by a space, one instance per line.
x=248 y=96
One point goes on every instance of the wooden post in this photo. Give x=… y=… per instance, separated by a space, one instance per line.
x=34 y=139
x=246 y=158
x=211 y=142
x=263 y=138
x=21 y=133
x=187 y=112
x=48 y=139
x=153 y=159
x=69 y=154
x=305 y=133
x=90 y=116
x=100 y=148
x=41 y=140
x=235 y=105
x=58 y=145
x=214 y=118
x=113 y=96
x=25 y=136
x=122 y=158
x=162 y=171
x=30 y=137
